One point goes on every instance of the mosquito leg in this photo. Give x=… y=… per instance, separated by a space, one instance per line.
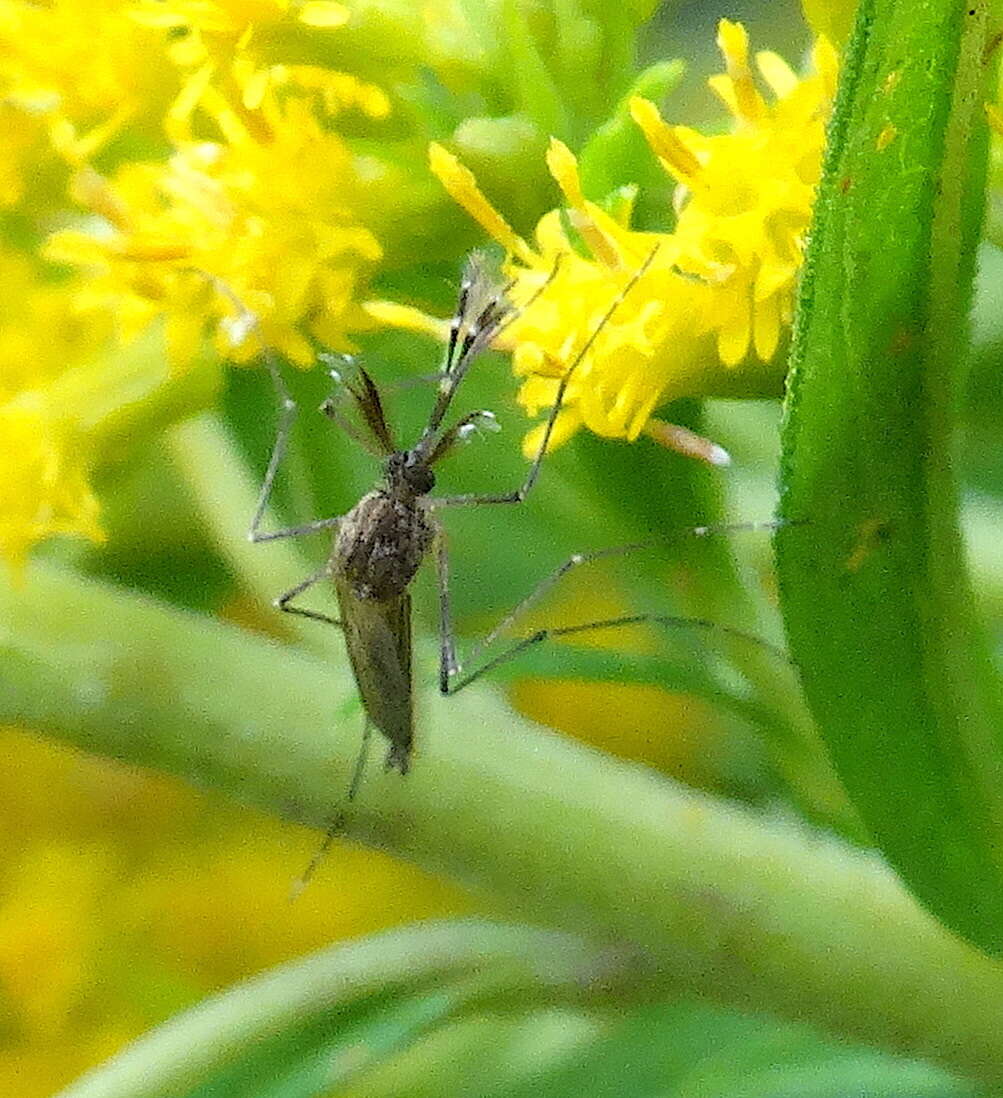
x=337 y=824
x=287 y=415
x=283 y=601
x=520 y=494
x=541 y=635
x=247 y=321
x=450 y=665
x=360 y=761
x=548 y=581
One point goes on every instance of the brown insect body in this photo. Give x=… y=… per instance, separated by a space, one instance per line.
x=380 y=545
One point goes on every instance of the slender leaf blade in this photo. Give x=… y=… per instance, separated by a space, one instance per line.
x=876 y=600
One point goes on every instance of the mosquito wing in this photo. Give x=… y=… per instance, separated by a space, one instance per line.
x=378 y=636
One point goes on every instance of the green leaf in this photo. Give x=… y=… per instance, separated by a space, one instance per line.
x=533 y=89
x=389 y=1014
x=686 y=1050
x=877 y=603
x=305 y=1028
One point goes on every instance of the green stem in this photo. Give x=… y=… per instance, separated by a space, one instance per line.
x=755 y=914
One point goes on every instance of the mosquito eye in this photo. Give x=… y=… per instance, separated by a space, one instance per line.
x=421 y=479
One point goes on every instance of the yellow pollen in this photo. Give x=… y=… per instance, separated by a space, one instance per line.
x=886 y=137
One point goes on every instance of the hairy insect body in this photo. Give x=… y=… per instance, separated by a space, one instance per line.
x=380 y=544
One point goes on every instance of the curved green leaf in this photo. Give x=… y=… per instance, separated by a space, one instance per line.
x=687 y=1050
x=304 y=1028
x=875 y=595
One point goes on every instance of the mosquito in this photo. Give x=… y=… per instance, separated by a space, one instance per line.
x=379 y=545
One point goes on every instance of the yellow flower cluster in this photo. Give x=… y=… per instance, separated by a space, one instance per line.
x=721 y=287
x=267 y=211
x=257 y=191
x=44 y=463
x=247 y=181
x=260 y=194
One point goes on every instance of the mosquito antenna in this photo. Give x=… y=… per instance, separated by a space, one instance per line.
x=494 y=317
x=491 y=305
x=338 y=823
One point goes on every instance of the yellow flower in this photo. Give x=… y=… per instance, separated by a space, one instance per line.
x=73 y=73
x=84 y=59
x=68 y=403
x=614 y=390
x=745 y=197
x=720 y=288
x=44 y=459
x=269 y=210
x=44 y=477
x=209 y=38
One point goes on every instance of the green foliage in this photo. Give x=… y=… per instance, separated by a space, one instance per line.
x=341 y=1023
x=879 y=610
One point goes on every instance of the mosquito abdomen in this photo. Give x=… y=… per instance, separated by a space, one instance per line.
x=378 y=637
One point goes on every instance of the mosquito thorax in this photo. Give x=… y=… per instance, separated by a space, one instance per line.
x=382 y=540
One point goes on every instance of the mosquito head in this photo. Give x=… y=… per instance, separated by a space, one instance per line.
x=408 y=474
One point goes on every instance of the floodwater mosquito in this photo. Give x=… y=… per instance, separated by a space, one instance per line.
x=380 y=543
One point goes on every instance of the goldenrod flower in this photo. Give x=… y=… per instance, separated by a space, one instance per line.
x=44 y=459
x=209 y=38
x=44 y=477
x=614 y=390
x=85 y=59
x=269 y=210
x=67 y=404
x=745 y=197
x=721 y=287
x=73 y=74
